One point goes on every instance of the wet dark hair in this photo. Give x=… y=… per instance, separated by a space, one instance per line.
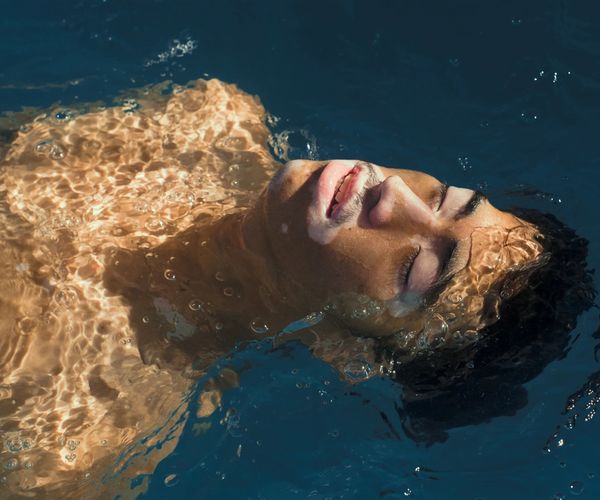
x=484 y=380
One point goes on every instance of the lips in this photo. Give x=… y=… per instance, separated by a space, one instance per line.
x=339 y=181
x=344 y=191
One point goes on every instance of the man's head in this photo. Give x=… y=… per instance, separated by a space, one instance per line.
x=381 y=244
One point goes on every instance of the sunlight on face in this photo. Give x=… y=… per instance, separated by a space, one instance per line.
x=348 y=228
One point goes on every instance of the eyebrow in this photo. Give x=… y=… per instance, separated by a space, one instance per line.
x=470 y=206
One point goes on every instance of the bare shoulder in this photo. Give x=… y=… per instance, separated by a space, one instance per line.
x=152 y=164
x=73 y=187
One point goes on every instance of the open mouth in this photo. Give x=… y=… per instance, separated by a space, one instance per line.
x=341 y=189
x=344 y=190
x=339 y=196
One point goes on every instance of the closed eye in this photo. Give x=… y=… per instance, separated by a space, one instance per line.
x=407 y=267
x=470 y=206
x=441 y=196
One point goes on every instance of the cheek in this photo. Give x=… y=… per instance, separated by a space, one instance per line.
x=362 y=271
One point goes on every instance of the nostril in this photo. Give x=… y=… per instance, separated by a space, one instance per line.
x=371 y=200
x=397 y=197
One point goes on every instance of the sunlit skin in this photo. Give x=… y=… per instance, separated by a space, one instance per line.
x=140 y=248
x=395 y=235
x=392 y=244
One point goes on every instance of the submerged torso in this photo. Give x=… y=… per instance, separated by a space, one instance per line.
x=73 y=190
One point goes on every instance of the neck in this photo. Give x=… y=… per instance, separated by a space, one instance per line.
x=225 y=278
x=197 y=295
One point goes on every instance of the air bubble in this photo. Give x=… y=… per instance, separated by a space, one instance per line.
x=26 y=325
x=367 y=309
x=170 y=275
x=43 y=146
x=228 y=292
x=435 y=327
x=195 y=305
x=219 y=276
x=66 y=296
x=11 y=464
x=182 y=196
x=145 y=320
x=72 y=444
x=47 y=147
x=64 y=115
x=259 y=326
x=130 y=105
x=465 y=163
x=357 y=369
x=576 y=488
x=529 y=117
x=176 y=49
x=171 y=480
x=15 y=443
x=313 y=318
x=155 y=225
x=422 y=342
x=57 y=153
x=455 y=297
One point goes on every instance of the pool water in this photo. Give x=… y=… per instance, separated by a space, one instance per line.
x=501 y=97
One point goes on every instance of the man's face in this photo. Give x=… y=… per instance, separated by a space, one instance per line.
x=347 y=228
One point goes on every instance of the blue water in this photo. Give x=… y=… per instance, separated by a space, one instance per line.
x=495 y=95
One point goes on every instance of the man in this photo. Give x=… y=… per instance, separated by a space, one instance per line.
x=143 y=244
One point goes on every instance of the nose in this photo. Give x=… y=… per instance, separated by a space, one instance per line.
x=398 y=204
